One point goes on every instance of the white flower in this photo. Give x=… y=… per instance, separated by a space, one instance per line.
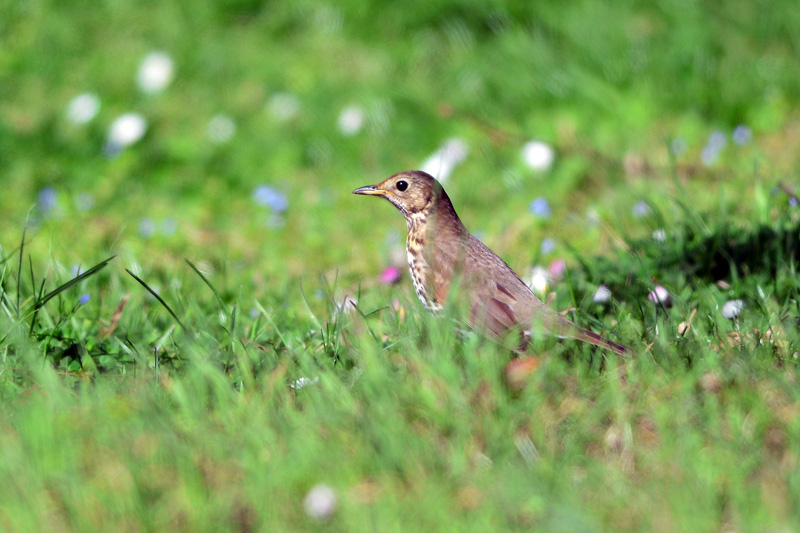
x=301 y=383
x=347 y=305
x=221 y=128
x=442 y=162
x=539 y=281
x=351 y=120
x=602 y=294
x=732 y=308
x=320 y=502
x=83 y=108
x=127 y=129
x=538 y=155
x=660 y=235
x=155 y=72
x=283 y=106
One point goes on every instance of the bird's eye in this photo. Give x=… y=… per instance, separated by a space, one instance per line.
x=402 y=185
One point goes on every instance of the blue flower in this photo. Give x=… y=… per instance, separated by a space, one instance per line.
x=84 y=299
x=717 y=140
x=147 y=227
x=271 y=197
x=640 y=209
x=540 y=207
x=709 y=155
x=47 y=199
x=742 y=135
x=111 y=149
x=548 y=245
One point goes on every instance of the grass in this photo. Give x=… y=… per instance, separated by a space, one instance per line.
x=176 y=355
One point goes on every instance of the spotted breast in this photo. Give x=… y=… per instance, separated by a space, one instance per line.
x=418 y=267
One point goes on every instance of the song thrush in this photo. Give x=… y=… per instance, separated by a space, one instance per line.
x=441 y=250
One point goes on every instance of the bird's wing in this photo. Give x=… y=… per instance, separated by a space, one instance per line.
x=504 y=299
x=496 y=291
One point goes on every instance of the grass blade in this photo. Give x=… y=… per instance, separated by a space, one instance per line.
x=19 y=266
x=36 y=309
x=71 y=283
x=157 y=297
x=210 y=286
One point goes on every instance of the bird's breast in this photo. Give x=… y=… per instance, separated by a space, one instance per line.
x=420 y=272
x=418 y=266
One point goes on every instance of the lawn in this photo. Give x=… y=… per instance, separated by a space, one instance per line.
x=198 y=330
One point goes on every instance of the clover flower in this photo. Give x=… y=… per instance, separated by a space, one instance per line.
x=538 y=155
x=126 y=130
x=83 y=108
x=601 y=295
x=155 y=72
x=320 y=502
x=660 y=295
x=732 y=308
x=351 y=120
x=390 y=275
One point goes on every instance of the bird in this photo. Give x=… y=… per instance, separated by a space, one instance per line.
x=442 y=253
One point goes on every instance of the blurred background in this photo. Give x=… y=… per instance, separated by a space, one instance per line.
x=233 y=132
x=645 y=150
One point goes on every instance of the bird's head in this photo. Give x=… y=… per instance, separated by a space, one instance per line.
x=411 y=192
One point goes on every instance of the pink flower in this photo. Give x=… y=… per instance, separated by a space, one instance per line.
x=557 y=269
x=390 y=275
x=660 y=295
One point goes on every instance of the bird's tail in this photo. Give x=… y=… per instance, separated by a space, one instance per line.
x=591 y=337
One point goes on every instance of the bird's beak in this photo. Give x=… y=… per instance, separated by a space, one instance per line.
x=370 y=190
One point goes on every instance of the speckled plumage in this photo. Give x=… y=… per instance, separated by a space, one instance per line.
x=441 y=250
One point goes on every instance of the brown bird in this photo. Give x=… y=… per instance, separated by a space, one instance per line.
x=441 y=251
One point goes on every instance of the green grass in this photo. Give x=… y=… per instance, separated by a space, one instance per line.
x=159 y=390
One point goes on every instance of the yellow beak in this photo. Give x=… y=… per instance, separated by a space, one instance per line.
x=370 y=190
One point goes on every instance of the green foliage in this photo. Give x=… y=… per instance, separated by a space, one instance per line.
x=232 y=346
